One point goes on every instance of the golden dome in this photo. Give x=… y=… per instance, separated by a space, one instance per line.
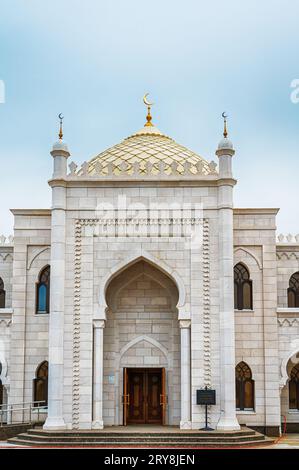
x=146 y=147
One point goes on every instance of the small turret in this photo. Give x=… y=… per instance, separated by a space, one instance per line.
x=60 y=154
x=225 y=153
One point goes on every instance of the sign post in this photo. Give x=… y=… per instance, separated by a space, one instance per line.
x=206 y=397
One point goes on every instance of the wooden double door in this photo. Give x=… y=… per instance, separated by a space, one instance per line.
x=144 y=396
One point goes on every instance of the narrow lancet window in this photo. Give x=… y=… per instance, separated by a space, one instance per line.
x=43 y=291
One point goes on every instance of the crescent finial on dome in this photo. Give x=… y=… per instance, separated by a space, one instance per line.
x=225 y=133
x=149 y=116
x=60 y=127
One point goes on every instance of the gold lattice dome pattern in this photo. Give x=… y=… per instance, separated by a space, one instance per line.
x=147 y=147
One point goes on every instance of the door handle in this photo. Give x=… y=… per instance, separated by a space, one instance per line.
x=126 y=399
x=163 y=399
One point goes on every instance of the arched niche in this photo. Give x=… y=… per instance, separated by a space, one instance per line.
x=141 y=331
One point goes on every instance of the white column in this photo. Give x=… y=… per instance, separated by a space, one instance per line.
x=55 y=418
x=185 y=422
x=98 y=372
x=228 y=419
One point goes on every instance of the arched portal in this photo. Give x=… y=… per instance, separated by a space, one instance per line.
x=141 y=348
x=290 y=392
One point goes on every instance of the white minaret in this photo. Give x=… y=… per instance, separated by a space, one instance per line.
x=225 y=152
x=60 y=154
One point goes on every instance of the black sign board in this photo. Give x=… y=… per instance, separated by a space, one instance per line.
x=206 y=397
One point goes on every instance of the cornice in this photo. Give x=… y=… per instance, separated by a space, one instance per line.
x=256 y=210
x=168 y=181
x=35 y=212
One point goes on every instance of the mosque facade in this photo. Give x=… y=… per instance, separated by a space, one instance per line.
x=143 y=285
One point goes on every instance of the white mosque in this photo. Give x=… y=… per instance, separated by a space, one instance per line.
x=143 y=284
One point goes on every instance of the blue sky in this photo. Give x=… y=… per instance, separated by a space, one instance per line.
x=93 y=60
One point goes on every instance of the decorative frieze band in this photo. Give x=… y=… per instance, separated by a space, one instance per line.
x=289 y=255
x=143 y=227
x=288 y=321
x=141 y=169
x=148 y=221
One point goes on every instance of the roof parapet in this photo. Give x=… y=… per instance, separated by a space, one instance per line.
x=287 y=239
x=143 y=170
x=6 y=241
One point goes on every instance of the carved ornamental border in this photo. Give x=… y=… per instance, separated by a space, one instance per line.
x=79 y=225
x=288 y=322
x=206 y=304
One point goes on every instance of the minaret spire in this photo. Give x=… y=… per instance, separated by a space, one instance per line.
x=225 y=133
x=60 y=128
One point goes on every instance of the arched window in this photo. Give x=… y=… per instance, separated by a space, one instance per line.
x=243 y=288
x=43 y=291
x=294 y=388
x=293 y=291
x=2 y=294
x=40 y=384
x=244 y=387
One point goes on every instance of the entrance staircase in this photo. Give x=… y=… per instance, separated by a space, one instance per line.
x=142 y=437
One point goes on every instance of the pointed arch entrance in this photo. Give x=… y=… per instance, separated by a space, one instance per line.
x=159 y=264
x=141 y=343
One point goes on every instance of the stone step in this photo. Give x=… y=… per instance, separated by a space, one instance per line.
x=123 y=439
x=51 y=434
x=137 y=439
x=151 y=445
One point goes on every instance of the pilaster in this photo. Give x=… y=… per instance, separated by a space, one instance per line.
x=185 y=327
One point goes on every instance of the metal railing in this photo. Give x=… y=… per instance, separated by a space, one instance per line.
x=22 y=413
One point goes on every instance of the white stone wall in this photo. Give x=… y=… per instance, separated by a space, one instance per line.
x=288 y=321
x=6 y=264
x=6 y=260
x=287 y=264
x=250 y=333
x=5 y=330
x=257 y=330
x=36 y=330
x=29 y=332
